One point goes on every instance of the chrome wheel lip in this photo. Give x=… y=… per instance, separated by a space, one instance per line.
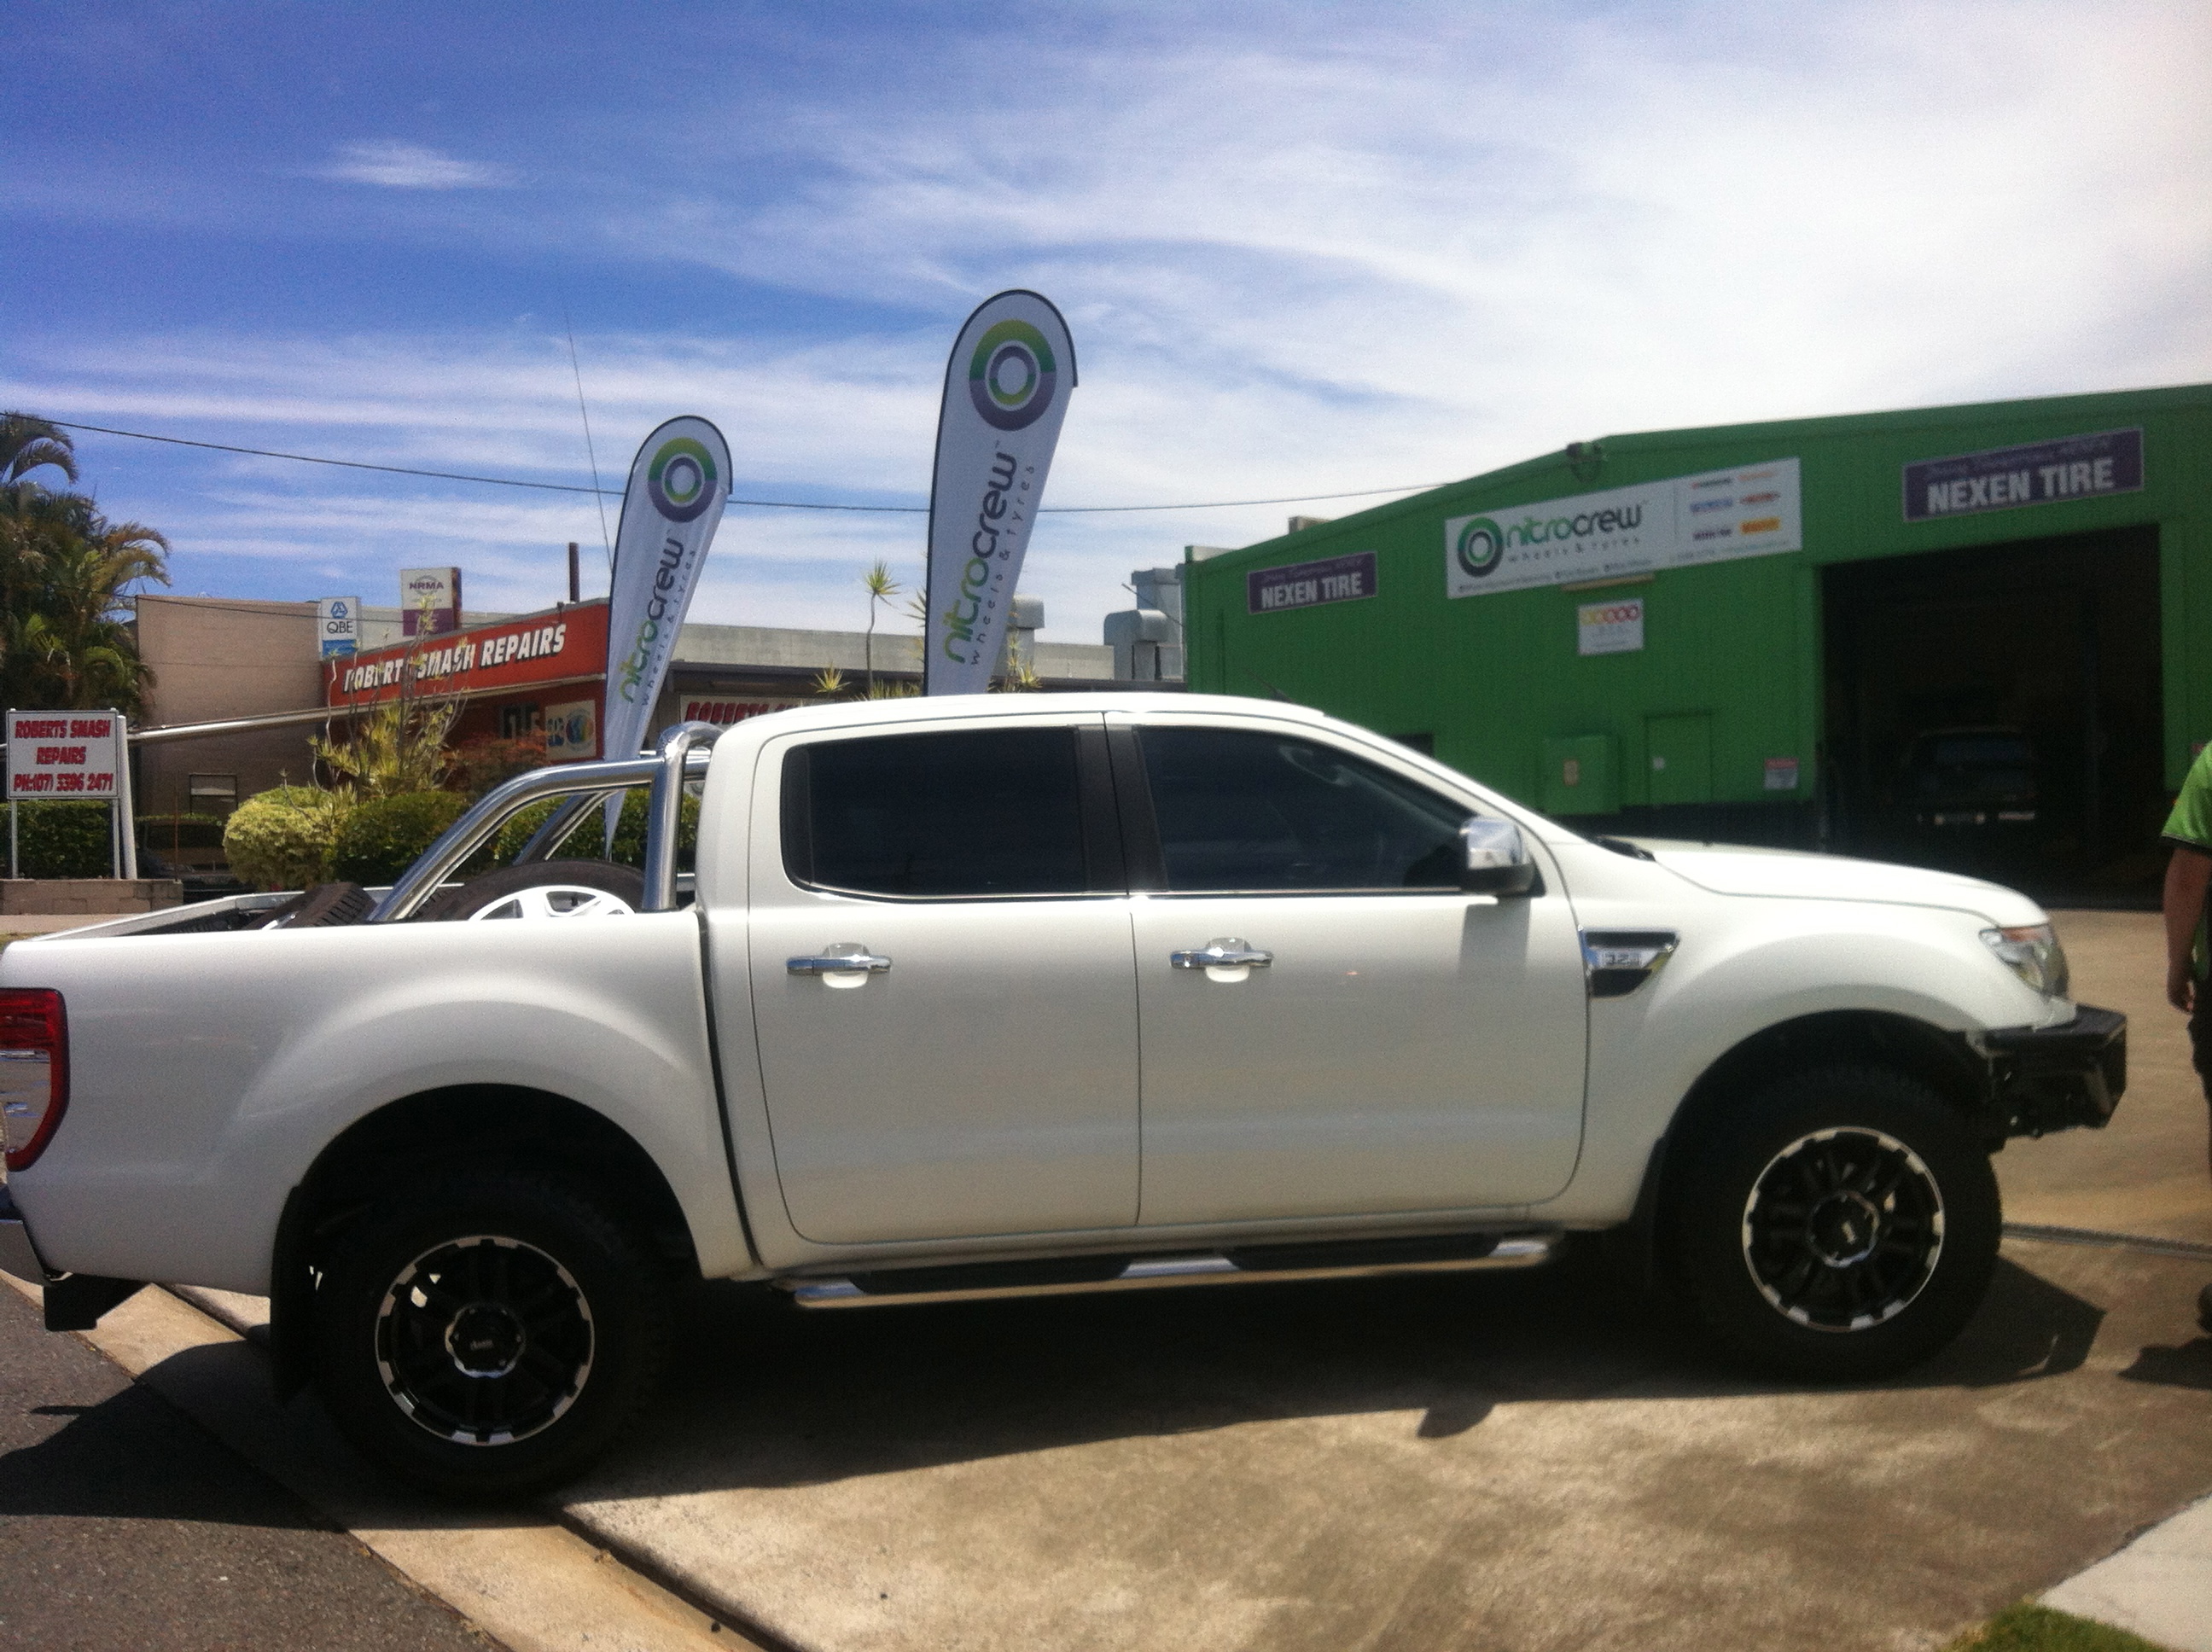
x=1889 y=1309
x=416 y=1407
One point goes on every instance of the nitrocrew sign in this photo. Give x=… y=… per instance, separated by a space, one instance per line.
x=1011 y=375
x=680 y=479
x=1708 y=518
x=996 y=429
x=1479 y=547
x=677 y=484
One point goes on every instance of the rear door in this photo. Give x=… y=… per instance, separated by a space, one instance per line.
x=1405 y=1047
x=983 y=1080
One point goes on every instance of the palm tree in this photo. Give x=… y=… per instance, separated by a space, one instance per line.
x=65 y=638
x=28 y=443
x=881 y=588
x=65 y=573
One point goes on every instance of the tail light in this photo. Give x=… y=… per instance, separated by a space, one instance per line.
x=34 y=1071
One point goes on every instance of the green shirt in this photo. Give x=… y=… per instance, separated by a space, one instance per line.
x=2190 y=826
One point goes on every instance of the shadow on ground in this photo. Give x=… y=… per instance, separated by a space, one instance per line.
x=767 y=1394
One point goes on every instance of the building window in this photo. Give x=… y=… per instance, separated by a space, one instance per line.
x=213 y=793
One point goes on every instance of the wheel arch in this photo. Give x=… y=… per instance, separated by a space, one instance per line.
x=456 y=1124
x=1828 y=1038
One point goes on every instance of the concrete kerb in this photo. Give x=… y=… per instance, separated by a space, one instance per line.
x=2159 y=1587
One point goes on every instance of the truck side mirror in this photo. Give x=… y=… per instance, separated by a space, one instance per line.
x=1497 y=860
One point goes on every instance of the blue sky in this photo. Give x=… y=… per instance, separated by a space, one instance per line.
x=1301 y=249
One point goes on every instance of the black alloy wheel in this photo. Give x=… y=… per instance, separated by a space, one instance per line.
x=1835 y=1225
x=1843 y=1230
x=484 y=1341
x=488 y=1334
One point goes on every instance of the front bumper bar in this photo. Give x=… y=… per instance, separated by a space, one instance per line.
x=2045 y=1079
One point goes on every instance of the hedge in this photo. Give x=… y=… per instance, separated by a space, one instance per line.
x=384 y=836
x=64 y=840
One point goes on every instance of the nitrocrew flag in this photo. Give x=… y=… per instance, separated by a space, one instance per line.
x=1006 y=393
x=677 y=484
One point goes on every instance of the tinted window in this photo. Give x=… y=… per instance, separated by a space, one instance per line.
x=990 y=812
x=1264 y=811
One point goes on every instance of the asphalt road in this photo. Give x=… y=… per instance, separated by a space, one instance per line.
x=122 y=1526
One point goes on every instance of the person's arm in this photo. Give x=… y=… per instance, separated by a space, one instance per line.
x=2187 y=876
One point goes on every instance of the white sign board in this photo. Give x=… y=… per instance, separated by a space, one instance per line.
x=1713 y=517
x=429 y=600
x=338 y=626
x=63 y=754
x=1610 y=627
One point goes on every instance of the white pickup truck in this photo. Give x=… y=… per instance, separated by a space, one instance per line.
x=975 y=997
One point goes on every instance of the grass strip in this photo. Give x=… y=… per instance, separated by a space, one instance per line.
x=2028 y=1627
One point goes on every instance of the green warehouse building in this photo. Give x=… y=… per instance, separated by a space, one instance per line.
x=1970 y=635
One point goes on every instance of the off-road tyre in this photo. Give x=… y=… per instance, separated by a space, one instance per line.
x=489 y=1334
x=1838 y=1225
x=511 y=887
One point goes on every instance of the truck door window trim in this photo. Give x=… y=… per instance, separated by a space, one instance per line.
x=1100 y=828
x=1147 y=859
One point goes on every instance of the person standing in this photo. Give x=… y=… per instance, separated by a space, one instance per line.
x=2188 y=957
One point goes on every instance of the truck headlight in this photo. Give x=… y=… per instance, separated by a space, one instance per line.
x=2033 y=953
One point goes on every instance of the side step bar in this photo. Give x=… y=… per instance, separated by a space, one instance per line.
x=1512 y=1250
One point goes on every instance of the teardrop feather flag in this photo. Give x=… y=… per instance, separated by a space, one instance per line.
x=1006 y=393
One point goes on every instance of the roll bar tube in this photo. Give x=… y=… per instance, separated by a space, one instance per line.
x=681 y=756
x=664 y=808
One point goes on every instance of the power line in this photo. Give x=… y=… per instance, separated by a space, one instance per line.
x=762 y=504
x=590 y=452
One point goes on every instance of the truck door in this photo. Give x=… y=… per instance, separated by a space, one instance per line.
x=1403 y=1047
x=974 y=1071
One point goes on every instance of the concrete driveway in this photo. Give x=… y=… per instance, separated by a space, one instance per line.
x=1527 y=1462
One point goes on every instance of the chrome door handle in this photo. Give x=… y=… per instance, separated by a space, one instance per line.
x=1222 y=955
x=839 y=963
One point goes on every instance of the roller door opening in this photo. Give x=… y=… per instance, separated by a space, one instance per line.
x=1996 y=711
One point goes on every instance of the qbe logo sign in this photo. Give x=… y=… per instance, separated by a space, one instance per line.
x=63 y=754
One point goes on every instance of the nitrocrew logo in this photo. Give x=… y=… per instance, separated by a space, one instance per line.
x=680 y=479
x=1011 y=375
x=1481 y=544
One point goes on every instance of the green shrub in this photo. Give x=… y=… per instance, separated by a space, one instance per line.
x=384 y=836
x=588 y=842
x=282 y=838
x=64 y=840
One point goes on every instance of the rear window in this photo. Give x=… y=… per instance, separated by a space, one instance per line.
x=969 y=814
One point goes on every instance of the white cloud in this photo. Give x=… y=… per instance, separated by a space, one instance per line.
x=393 y=164
x=1339 y=254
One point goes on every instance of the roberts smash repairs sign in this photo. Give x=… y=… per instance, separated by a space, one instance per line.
x=1309 y=585
x=1713 y=517
x=63 y=754
x=2040 y=473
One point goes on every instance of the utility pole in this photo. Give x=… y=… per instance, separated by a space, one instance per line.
x=575 y=576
